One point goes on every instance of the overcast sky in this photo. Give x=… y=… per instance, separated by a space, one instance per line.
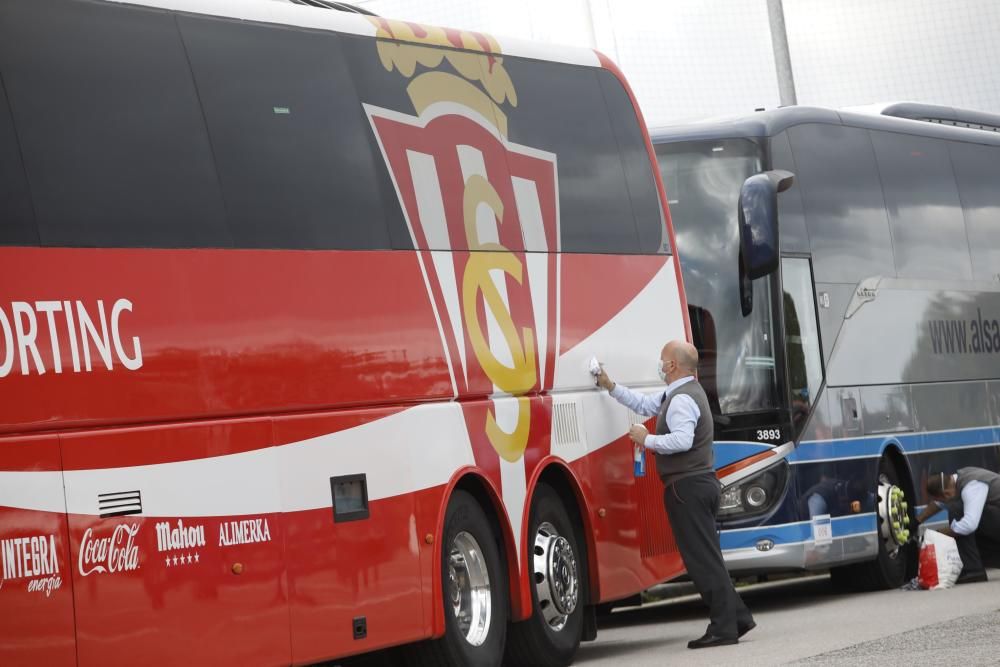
x=689 y=59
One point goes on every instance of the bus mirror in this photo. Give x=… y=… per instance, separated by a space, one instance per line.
x=758 y=226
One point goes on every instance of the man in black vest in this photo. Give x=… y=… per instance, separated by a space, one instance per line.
x=684 y=461
x=972 y=498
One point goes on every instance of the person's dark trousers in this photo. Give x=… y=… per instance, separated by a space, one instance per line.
x=986 y=537
x=692 y=503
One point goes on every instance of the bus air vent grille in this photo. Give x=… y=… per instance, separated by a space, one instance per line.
x=565 y=424
x=655 y=536
x=119 y=503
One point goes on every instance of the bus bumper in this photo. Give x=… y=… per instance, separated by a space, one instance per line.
x=804 y=545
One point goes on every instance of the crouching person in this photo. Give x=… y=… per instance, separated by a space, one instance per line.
x=972 y=498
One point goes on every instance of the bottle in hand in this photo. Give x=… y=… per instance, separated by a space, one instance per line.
x=639 y=461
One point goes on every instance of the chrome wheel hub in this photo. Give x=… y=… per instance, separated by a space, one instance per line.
x=893 y=517
x=556 y=574
x=469 y=588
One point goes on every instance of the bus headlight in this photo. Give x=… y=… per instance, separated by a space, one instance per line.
x=731 y=499
x=754 y=495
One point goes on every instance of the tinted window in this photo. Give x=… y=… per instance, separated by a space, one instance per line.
x=17 y=224
x=928 y=231
x=842 y=194
x=638 y=170
x=561 y=109
x=117 y=151
x=424 y=161
x=288 y=133
x=108 y=120
x=703 y=181
x=977 y=169
x=793 y=236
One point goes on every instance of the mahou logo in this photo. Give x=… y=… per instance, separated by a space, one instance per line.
x=116 y=553
x=466 y=189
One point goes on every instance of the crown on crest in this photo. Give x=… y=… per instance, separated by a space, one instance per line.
x=480 y=81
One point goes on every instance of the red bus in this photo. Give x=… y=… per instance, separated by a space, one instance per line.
x=296 y=309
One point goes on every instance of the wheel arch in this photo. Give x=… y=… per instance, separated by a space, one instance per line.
x=472 y=481
x=871 y=574
x=557 y=474
x=893 y=451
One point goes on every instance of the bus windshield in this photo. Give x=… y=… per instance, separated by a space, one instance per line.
x=703 y=181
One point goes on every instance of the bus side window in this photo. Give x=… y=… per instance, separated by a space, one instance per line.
x=289 y=136
x=845 y=209
x=925 y=214
x=977 y=170
x=108 y=122
x=561 y=109
x=639 y=177
x=791 y=216
x=17 y=221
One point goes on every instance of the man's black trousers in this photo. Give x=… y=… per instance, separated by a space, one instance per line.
x=692 y=503
x=986 y=538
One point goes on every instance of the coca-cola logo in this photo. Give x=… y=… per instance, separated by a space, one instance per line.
x=116 y=553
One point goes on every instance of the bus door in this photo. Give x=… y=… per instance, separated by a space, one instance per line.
x=177 y=544
x=36 y=589
x=803 y=356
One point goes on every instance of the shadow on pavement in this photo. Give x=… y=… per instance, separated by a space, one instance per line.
x=594 y=652
x=788 y=594
x=785 y=595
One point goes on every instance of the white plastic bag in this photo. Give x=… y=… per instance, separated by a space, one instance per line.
x=940 y=563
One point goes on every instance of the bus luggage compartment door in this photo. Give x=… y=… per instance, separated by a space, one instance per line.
x=177 y=544
x=36 y=588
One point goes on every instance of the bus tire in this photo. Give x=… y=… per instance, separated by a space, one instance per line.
x=475 y=625
x=551 y=636
x=886 y=570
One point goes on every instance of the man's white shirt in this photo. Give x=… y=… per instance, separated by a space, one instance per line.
x=682 y=415
x=973 y=500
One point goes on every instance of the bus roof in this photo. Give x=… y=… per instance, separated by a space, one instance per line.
x=303 y=16
x=907 y=118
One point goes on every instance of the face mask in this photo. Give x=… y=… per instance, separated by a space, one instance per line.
x=661 y=372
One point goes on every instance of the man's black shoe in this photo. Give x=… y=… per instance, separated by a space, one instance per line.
x=743 y=629
x=707 y=641
x=971 y=577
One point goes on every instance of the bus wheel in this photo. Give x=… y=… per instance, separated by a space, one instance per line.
x=896 y=555
x=474 y=590
x=551 y=635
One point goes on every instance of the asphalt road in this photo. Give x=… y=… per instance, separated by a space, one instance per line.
x=805 y=622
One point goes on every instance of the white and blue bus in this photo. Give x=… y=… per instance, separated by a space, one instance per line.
x=869 y=348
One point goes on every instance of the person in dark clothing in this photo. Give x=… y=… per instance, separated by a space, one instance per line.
x=972 y=498
x=684 y=461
